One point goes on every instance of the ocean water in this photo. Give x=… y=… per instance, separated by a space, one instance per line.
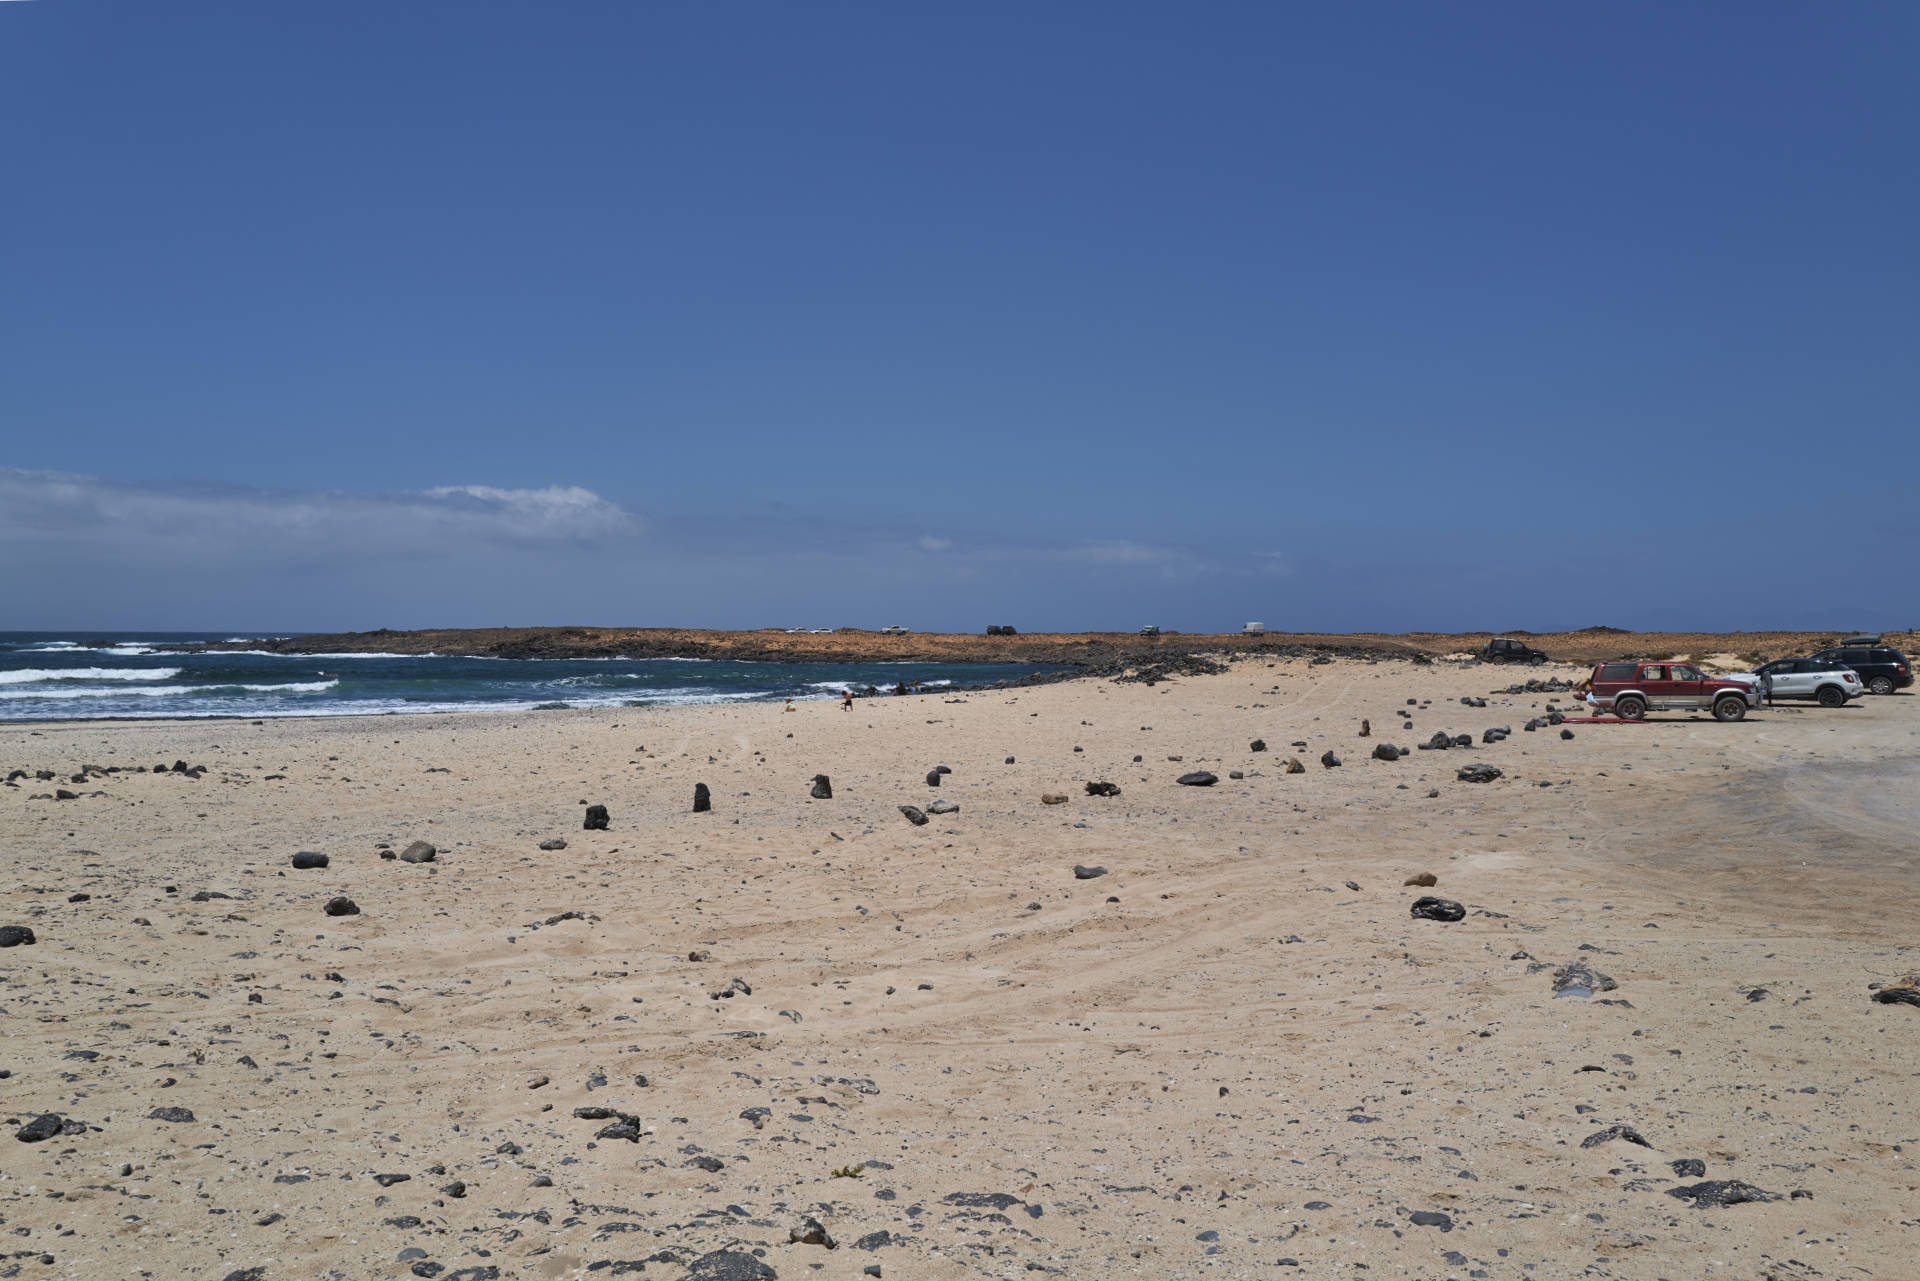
x=80 y=676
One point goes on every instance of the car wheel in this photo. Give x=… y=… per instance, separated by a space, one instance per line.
x=1832 y=696
x=1880 y=684
x=1729 y=709
x=1536 y=660
x=1630 y=708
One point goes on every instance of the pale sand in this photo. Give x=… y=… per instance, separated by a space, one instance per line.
x=1238 y=1038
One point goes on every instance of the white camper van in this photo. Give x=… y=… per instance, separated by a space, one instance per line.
x=1252 y=629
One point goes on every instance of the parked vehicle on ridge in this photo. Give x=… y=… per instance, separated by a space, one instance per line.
x=1503 y=650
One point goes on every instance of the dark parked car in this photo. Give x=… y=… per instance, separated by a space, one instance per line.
x=1502 y=650
x=1882 y=667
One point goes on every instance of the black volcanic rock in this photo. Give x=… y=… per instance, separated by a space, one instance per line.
x=1719 y=1192
x=41 y=1128
x=597 y=819
x=1429 y=908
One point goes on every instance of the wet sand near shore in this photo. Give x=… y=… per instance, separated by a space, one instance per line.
x=1218 y=1058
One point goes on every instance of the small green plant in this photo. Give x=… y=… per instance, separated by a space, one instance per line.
x=849 y=1172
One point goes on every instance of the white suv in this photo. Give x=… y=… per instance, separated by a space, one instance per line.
x=1830 y=684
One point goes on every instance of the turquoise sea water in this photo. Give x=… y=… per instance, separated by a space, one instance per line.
x=66 y=676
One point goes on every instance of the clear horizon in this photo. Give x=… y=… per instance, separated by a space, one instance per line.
x=1080 y=318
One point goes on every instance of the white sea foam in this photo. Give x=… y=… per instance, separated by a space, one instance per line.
x=162 y=691
x=31 y=675
x=276 y=653
x=841 y=687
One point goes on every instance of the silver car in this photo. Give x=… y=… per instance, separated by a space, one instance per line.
x=1828 y=683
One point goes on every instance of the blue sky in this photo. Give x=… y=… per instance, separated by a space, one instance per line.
x=1368 y=316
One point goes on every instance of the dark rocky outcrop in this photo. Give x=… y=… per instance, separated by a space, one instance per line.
x=597 y=819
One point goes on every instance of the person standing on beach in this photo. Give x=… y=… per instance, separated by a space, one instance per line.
x=846 y=700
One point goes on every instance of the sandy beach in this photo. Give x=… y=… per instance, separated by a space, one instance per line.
x=704 y=1045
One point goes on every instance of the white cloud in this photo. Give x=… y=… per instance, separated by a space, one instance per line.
x=1121 y=551
x=220 y=524
x=928 y=543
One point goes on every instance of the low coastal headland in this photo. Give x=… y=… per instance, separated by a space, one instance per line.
x=1094 y=979
x=1096 y=652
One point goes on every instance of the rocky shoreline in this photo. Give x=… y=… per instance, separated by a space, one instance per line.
x=1094 y=653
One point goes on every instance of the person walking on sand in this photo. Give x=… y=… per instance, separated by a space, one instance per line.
x=846 y=700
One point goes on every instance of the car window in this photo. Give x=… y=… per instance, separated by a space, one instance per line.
x=1805 y=665
x=1883 y=656
x=1684 y=673
x=1653 y=672
x=1852 y=656
x=1616 y=672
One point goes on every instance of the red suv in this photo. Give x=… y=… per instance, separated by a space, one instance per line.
x=1631 y=690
